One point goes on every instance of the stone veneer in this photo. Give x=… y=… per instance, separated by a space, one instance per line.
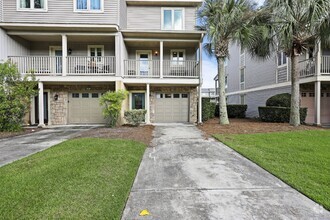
x=193 y=100
x=59 y=109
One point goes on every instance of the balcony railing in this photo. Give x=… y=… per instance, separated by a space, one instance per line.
x=325 y=65
x=307 y=68
x=171 y=69
x=79 y=65
x=39 y=65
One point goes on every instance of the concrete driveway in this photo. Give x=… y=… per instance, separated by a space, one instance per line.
x=185 y=176
x=15 y=148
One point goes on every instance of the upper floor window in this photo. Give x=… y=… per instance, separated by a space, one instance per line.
x=88 y=5
x=172 y=19
x=32 y=4
x=177 y=57
x=281 y=58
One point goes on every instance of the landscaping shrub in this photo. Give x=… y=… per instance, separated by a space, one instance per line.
x=234 y=111
x=212 y=110
x=279 y=114
x=15 y=96
x=206 y=105
x=280 y=100
x=112 y=102
x=135 y=117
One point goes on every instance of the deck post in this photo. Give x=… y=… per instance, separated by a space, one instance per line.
x=64 y=54
x=148 y=104
x=317 y=103
x=41 y=104
x=161 y=57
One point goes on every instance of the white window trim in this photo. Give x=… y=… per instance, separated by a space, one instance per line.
x=184 y=57
x=183 y=18
x=45 y=9
x=282 y=65
x=88 y=10
x=94 y=46
x=131 y=98
x=149 y=52
x=242 y=83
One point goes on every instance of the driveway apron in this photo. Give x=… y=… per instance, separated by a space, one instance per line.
x=185 y=176
x=15 y=148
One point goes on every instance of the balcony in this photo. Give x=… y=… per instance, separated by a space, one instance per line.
x=170 y=69
x=76 y=65
x=308 y=68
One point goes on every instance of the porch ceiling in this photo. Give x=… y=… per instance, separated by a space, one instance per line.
x=163 y=35
x=71 y=38
x=156 y=44
x=165 y=3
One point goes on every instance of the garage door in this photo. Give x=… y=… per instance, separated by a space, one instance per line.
x=172 y=107
x=307 y=101
x=85 y=108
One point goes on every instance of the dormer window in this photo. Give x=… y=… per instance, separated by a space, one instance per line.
x=31 y=4
x=172 y=19
x=88 y=6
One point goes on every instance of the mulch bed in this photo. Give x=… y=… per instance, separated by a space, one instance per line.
x=248 y=126
x=24 y=131
x=142 y=133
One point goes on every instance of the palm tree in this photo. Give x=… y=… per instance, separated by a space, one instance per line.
x=293 y=26
x=225 y=22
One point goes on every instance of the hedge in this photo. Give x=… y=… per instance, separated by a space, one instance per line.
x=206 y=109
x=279 y=114
x=234 y=111
x=135 y=117
x=280 y=100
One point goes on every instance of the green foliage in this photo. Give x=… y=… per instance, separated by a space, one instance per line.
x=206 y=109
x=279 y=114
x=234 y=111
x=135 y=117
x=212 y=110
x=15 y=96
x=280 y=100
x=112 y=102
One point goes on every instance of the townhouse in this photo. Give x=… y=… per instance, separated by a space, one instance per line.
x=79 y=49
x=252 y=81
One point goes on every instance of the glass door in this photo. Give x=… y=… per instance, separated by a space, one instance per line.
x=138 y=100
x=58 y=61
x=144 y=63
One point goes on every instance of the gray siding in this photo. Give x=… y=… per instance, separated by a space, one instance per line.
x=78 y=49
x=1 y=10
x=123 y=14
x=61 y=11
x=12 y=46
x=282 y=74
x=256 y=99
x=233 y=69
x=149 y=18
x=190 y=52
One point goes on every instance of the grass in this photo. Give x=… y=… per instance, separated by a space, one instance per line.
x=78 y=179
x=300 y=158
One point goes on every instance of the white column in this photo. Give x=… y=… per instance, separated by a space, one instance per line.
x=317 y=103
x=161 y=57
x=64 y=54
x=200 y=84
x=32 y=113
x=118 y=42
x=148 y=104
x=318 y=60
x=41 y=105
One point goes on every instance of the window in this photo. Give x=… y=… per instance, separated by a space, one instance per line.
x=281 y=59
x=95 y=95
x=311 y=94
x=172 y=19
x=168 y=96
x=159 y=96
x=75 y=95
x=177 y=57
x=96 y=52
x=88 y=5
x=32 y=5
x=242 y=99
x=184 y=96
x=85 y=95
x=176 y=96
x=242 y=78
x=303 y=94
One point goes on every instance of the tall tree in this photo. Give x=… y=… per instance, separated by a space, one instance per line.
x=225 y=22
x=292 y=26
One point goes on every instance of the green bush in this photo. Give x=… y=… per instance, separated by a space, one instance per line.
x=234 y=111
x=135 y=117
x=206 y=109
x=212 y=110
x=15 y=96
x=279 y=114
x=112 y=102
x=280 y=100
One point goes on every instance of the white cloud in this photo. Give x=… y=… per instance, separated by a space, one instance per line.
x=209 y=72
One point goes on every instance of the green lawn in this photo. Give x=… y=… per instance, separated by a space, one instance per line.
x=300 y=158
x=79 y=179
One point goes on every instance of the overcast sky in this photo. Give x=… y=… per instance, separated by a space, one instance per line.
x=210 y=66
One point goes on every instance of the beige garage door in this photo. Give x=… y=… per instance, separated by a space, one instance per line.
x=172 y=107
x=84 y=108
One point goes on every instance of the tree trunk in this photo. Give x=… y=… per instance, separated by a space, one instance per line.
x=295 y=94
x=222 y=92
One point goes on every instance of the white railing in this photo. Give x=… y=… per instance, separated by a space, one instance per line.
x=39 y=65
x=142 y=68
x=181 y=69
x=325 y=65
x=307 y=68
x=81 y=65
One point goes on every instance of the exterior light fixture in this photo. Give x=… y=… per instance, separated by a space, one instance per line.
x=56 y=97
x=69 y=51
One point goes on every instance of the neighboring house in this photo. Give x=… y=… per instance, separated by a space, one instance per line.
x=210 y=93
x=252 y=81
x=79 y=49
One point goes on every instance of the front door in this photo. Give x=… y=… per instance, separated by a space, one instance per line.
x=144 y=63
x=36 y=107
x=138 y=101
x=58 y=61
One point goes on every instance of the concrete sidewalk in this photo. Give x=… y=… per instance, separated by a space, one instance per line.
x=15 y=148
x=185 y=176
